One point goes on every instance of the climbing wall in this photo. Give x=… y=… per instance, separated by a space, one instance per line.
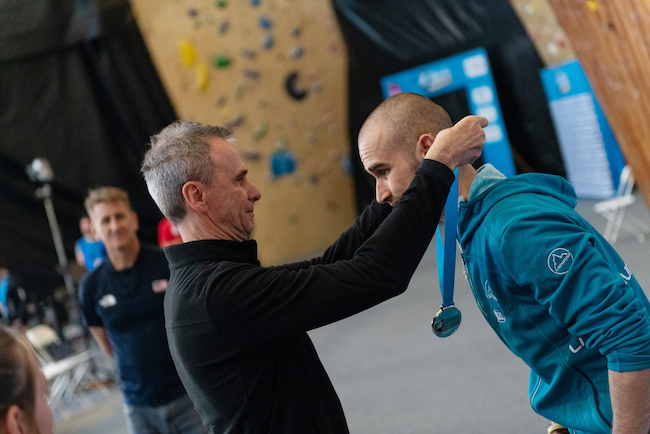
x=612 y=42
x=276 y=72
x=542 y=27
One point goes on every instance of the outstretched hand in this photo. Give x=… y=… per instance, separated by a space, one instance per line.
x=461 y=144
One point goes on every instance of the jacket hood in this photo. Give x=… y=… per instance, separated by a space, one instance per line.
x=472 y=213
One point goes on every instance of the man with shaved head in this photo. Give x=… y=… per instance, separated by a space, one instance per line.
x=556 y=293
x=238 y=331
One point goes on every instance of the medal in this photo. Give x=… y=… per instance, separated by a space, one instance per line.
x=446 y=321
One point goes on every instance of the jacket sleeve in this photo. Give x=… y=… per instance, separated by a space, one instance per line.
x=347 y=244
x=557 y=258
x=256 y=305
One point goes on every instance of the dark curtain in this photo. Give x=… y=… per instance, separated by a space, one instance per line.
x=387 y=36
x=77 y=87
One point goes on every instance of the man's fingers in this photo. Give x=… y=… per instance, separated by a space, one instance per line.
x=482 y=121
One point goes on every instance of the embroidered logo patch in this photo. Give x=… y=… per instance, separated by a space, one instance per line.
x=499 y=315
x=107 y=300
x=488 y=292
x=559 y=260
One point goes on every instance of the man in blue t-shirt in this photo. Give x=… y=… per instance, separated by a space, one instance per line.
x=122 y=304
x=555 y=292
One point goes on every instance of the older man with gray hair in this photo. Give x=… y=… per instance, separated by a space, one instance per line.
x=238 y=331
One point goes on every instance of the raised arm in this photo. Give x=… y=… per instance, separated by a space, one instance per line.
x=255 y=305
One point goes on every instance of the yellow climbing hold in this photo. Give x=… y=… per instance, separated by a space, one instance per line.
x=226 y=114
x=201 y=77
x=592 y=5
x=188 y=53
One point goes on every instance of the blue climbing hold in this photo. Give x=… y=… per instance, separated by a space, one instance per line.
x=265 y=23
x=282 y=163
x=268 y=42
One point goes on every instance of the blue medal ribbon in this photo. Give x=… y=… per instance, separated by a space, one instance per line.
x=448 y=318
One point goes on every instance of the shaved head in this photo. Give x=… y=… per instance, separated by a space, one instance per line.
x=403 y=118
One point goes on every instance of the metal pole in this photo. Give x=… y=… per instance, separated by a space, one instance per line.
x=45 y=193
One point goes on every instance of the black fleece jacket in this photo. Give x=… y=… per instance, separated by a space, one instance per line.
x=237 y=331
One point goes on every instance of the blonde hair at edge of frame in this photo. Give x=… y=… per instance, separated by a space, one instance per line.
x=17 y=381
x=105 y=195
x=405 y=117
x=178 y=154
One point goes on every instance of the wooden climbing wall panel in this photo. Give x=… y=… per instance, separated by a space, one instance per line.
x=276 y=71
x=542 y=27
x=612 y=42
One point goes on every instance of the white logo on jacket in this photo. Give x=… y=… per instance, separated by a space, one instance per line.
x=107 y=300
x=499 y=315
x=488 y=292
x=628 y=274
x=559 y=260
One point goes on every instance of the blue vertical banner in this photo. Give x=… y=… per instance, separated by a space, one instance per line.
x=469 y=71
x=591 y=155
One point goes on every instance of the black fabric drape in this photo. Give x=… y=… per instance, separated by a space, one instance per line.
x=77 y=87
x=387 y=36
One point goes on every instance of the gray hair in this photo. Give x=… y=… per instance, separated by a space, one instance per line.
x=178 y=154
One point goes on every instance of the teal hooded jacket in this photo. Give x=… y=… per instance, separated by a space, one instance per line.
x=555 y=292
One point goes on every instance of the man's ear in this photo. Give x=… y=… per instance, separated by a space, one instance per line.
x=424 y=143
x=15 y=422
x=193 y=195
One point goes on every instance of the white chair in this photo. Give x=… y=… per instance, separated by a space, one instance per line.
x=63 y=375
x=614 y=210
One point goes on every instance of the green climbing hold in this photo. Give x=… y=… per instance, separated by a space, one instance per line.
x=221 y=61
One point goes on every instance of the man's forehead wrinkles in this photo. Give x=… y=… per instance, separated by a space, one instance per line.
x=377 y=166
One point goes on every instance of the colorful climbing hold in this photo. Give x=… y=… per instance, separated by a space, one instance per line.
x=265 y=23
x=592 y=5
x=222 y=101
x=292 y=88
x=221 y=61
x=221 y=4
x=251 y=73
x=282 y=144
x=251 y=156
x=248 y=53
x=236 y=122
x=297 y=52
x=201 y=77
x=255 y=3
x=187 y=51
x=267 y=42
x=260 y=130
x=224 y=26
x=296 y=32
x=239 y=91
x=282 y=163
